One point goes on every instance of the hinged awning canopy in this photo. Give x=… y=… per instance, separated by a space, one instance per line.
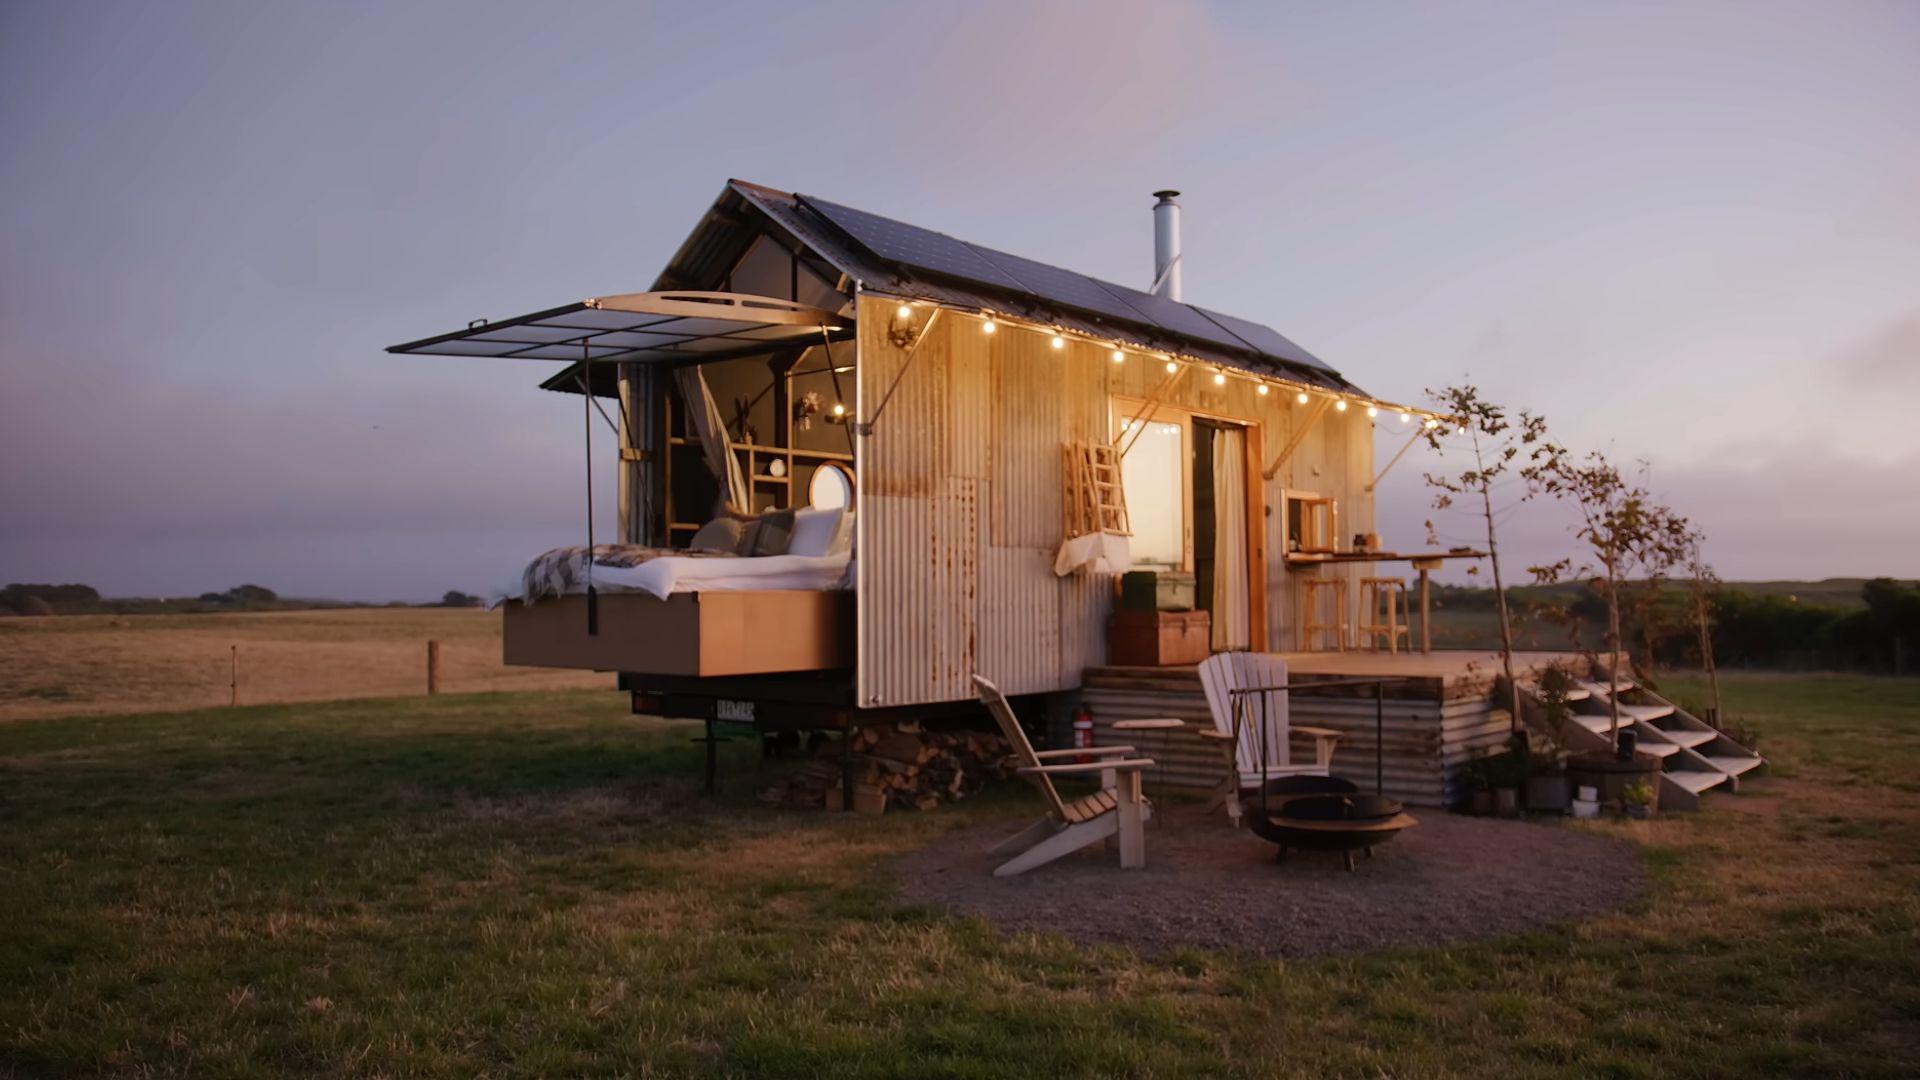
x=640 y=328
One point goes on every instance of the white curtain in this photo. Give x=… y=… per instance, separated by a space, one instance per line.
x=1232 y=625
x=711 y=429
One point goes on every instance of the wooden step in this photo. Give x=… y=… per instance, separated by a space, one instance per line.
x=1695 y=780
x=1685 y=736
x=1656 y=749
x=1734 y=766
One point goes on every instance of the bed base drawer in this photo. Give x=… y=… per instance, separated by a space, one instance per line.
x=713 y=633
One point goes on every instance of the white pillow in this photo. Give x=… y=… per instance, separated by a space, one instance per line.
x=843 y=539
x=814 y=531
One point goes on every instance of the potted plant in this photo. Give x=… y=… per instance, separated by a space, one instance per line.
x=1549 y=788
x=1479 y=787
x=1509 y=772
x=1639 y=799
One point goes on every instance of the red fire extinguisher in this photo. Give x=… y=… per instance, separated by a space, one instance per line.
x=1083 y=731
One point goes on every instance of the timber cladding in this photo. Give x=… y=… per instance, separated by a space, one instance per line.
x=960 y=488
x=697 y=634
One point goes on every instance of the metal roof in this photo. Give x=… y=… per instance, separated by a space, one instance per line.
x=840 y=247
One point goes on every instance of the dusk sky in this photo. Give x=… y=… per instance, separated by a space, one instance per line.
x=1686 y=232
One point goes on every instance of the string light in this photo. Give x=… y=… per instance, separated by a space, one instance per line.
x=1340 y=404
x=839 y=409
x=1172 y=367
x=1301 y=397
x=905 y=312
x=1405 y=416
x=1219 y=378
x=1263 y=389
x=989 y=326
x=1372 y=412
x=1461 y=430
x=1431 y=423
x=1118 y=356
x=1059 y=342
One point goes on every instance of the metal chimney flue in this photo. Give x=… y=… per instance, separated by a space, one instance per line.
x=1166 y=245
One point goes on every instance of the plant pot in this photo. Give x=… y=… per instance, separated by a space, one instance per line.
x=1483 y=804
x=1549 y=793
x=1506 y=802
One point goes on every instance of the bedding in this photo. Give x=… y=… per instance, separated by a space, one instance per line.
x=664 y=571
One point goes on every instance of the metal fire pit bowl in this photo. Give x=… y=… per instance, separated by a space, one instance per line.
x=1321 y=813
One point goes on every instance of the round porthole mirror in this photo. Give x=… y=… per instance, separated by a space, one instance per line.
x=831 y=487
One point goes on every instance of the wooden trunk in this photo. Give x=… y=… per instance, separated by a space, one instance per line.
x=1158 y=638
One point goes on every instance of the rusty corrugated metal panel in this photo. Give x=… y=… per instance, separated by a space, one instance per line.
x=960 y=514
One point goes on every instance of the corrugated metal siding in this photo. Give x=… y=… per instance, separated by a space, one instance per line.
x=960 y=514
x=1424 y=743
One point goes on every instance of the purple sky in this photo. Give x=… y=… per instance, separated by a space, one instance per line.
x=1687 y=233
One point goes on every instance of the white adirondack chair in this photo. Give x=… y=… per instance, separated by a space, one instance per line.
x=1116 y=809
x=1241 y=743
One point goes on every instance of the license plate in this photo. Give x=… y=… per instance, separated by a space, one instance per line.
x=741 y=711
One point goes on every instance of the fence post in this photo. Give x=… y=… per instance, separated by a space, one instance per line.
x=233 y=679
x=433 y=667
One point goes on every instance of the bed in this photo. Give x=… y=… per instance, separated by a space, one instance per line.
x=670 y=612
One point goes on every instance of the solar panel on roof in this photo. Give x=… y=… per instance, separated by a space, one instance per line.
x=1062 y=286
x=1174 y=316
x=1266 y=339
x=911 y=245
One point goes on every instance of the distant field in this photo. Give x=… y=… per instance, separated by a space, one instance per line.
x=69 y=665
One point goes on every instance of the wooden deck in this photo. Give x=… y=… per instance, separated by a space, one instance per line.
x=1441 y=716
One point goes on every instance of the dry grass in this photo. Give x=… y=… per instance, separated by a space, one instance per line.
x=91 y=664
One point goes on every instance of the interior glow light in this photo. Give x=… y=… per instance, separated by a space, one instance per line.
x=1301 y=397
x=905 y=312
x=1341 y=404
x=1059 y=342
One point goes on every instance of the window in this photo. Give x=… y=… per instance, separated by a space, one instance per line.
x=1154 y=474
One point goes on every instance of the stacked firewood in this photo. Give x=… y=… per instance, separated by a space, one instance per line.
x=898 y=766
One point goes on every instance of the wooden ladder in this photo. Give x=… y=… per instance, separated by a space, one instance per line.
x=1094 y=500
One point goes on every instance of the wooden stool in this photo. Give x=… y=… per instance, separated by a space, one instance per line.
x=1383 y=613
x=1311 y=589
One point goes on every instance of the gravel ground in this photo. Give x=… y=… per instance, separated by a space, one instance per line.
x=1209 y=886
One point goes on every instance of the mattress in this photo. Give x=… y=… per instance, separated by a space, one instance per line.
x=622 y=568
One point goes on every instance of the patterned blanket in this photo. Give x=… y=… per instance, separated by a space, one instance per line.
x=564 y=570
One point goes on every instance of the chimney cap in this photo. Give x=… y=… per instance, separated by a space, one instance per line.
x=1166 y=195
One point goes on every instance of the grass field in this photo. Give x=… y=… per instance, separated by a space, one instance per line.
x=531 y=884
x=75 y=664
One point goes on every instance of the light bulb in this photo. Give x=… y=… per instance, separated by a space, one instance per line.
x=1405 y=416
x=1059 y=342
x=1118 y=356
x=1341 y=405
x=1371 y=411
x=905 y=312
x=839 y=409
x=1172 y=367
x=1219 y=378
x=1432 y=423
x=1301 y=397
x=1263 y=389
x=990 y=326
x=1461 y=430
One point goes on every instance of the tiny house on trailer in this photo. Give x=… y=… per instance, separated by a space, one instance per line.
x=961 y=414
